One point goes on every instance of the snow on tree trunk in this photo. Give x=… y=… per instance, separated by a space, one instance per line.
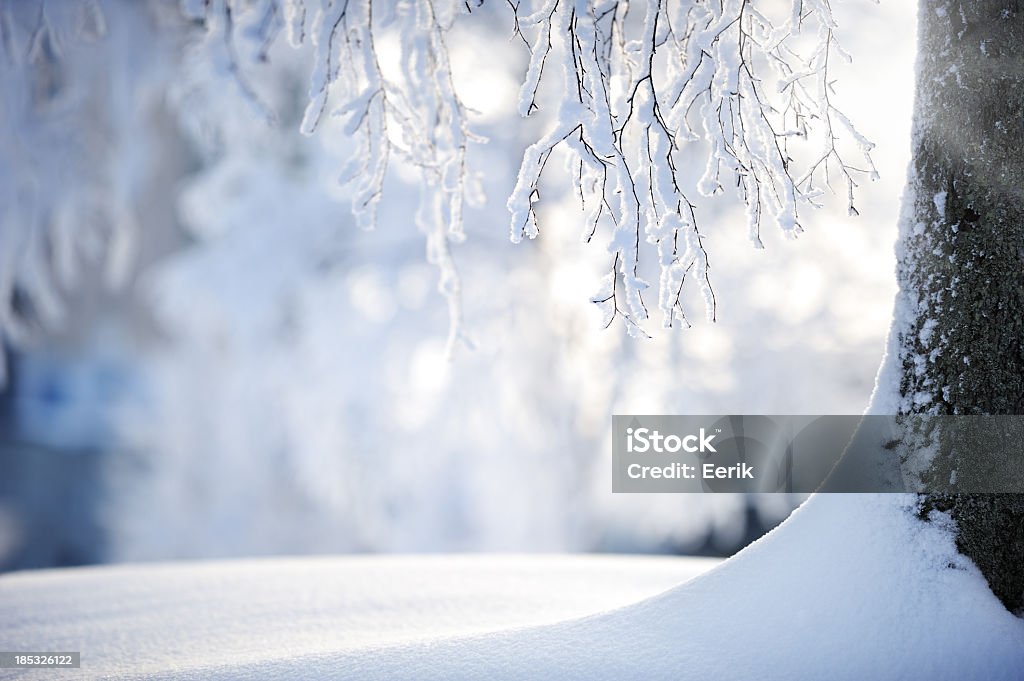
x=957 y=344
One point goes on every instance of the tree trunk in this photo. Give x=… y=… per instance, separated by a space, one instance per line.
x=958 y=339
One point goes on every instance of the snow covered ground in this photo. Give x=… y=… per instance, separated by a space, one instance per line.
x=202 y=617
x=851 y=587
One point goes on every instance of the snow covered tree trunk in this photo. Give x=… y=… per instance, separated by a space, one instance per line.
x=957 y=345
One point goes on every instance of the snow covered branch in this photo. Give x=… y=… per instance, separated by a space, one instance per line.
x=642 y=98
x=645 y=93
x=417 y=117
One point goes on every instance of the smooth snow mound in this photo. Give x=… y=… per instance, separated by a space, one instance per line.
x=209 y=619
x=850 y=587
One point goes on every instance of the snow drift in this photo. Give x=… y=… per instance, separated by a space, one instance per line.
x=851 y=587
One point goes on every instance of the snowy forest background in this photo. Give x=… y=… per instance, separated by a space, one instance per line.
x=231 y=367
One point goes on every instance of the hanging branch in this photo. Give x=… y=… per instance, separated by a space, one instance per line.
x=691 y=74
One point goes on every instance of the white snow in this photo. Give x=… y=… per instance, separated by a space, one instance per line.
x=940 y=204
x=138 y=620
x=851 y=587
x=927 y=331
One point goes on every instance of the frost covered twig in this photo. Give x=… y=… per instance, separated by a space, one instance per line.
x=418 y=118
x=414 y=115
x=636 y=92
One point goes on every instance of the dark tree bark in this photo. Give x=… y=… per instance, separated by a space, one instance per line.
x=959 y=330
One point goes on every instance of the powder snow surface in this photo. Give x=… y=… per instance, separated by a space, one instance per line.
x=850 y=587
x=205 y=618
